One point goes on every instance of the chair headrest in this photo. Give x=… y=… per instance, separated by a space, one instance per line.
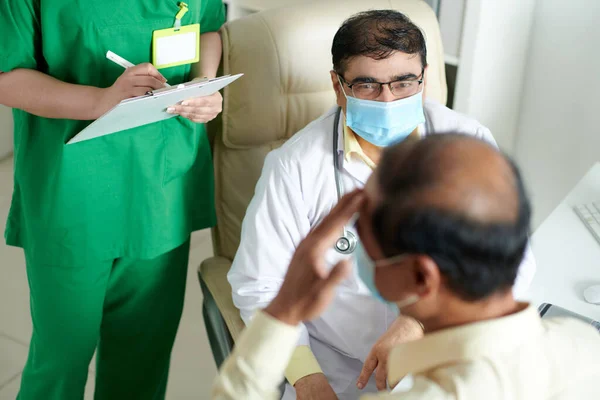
x=285 y=54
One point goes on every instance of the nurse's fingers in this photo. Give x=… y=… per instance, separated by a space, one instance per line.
x=139 y=91
x=146 y=69
x=325 y=235
x=199 y=102
x=198 y=111
x=367 y=370
x=197 y=118
x=146 y=81
x=212 y=102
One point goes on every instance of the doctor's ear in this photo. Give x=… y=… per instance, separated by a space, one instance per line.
x=337 y=87
x=425 y=81
x=335 y=82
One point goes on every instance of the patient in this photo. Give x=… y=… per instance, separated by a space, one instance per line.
x=443 y=223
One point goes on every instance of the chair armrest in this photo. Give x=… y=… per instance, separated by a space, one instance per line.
x=213 y=272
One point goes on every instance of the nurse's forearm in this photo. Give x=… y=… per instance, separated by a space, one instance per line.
x=210 y=55
x=45 y=96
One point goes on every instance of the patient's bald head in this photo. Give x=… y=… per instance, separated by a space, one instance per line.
x=461 y=202
x=456 y=173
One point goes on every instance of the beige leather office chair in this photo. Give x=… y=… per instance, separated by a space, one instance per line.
x=285 y=55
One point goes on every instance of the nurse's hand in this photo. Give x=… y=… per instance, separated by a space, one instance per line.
x=199 y=109
x=309 y=285
x=135 y=81
x=314 y=387
x=403 y=329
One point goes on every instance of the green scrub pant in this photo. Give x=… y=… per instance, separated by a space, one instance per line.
x=128 y=309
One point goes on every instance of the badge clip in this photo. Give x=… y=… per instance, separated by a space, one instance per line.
x=183 y=8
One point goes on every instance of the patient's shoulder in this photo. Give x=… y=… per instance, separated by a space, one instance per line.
x=574 y=332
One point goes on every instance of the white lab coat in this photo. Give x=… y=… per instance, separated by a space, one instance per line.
x=294 y=193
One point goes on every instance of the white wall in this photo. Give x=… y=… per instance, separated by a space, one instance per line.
x=491 y=72
x=6 y=132
x=559 y=125
x=451 y=23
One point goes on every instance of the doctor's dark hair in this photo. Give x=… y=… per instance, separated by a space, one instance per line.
x=376 y=34
x=476 y=258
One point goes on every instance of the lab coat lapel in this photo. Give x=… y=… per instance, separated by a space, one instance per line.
x=358 y=170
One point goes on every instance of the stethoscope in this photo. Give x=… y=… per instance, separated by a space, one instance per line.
x=346 y=243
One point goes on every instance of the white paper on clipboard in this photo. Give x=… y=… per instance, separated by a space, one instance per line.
x=143 y=110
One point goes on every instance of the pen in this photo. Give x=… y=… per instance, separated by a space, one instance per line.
x=122 y=62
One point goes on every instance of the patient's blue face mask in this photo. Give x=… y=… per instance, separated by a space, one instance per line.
x=384 y=123
x=366 y=271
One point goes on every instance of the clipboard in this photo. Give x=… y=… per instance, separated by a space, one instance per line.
x=150 y=108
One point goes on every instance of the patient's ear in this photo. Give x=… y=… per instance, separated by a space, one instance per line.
x=415 y=274
x=427 y=276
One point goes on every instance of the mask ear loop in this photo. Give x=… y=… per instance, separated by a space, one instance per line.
x=410 y=300
x=342 y=86
x=390 y=261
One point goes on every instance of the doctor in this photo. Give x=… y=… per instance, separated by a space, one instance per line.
x=379 y=76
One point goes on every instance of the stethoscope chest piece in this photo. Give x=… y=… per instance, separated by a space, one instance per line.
x=346 y=244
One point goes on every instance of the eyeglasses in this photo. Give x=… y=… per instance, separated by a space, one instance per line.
x=371 y=90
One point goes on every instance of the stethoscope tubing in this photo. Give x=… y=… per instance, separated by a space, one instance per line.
x=347 y=242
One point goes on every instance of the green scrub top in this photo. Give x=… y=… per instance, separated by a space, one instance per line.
x=137 y=193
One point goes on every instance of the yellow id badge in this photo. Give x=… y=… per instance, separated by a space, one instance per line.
x=176 y=46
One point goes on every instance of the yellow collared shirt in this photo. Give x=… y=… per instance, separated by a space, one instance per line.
x=353 y=148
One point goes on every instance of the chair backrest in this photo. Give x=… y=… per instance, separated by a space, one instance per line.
x=285 y=54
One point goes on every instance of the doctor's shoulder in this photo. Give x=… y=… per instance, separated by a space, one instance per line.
x=441 y=119
x=309 y=147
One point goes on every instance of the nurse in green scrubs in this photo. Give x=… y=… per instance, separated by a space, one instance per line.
x=104 y=224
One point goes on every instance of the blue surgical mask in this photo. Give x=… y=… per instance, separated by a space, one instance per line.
x=366 y=271
x=384 y=123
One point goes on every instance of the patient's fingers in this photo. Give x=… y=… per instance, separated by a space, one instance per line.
x=367 y=370
x=328 y=231
x=336 y=275
x=381 y=376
